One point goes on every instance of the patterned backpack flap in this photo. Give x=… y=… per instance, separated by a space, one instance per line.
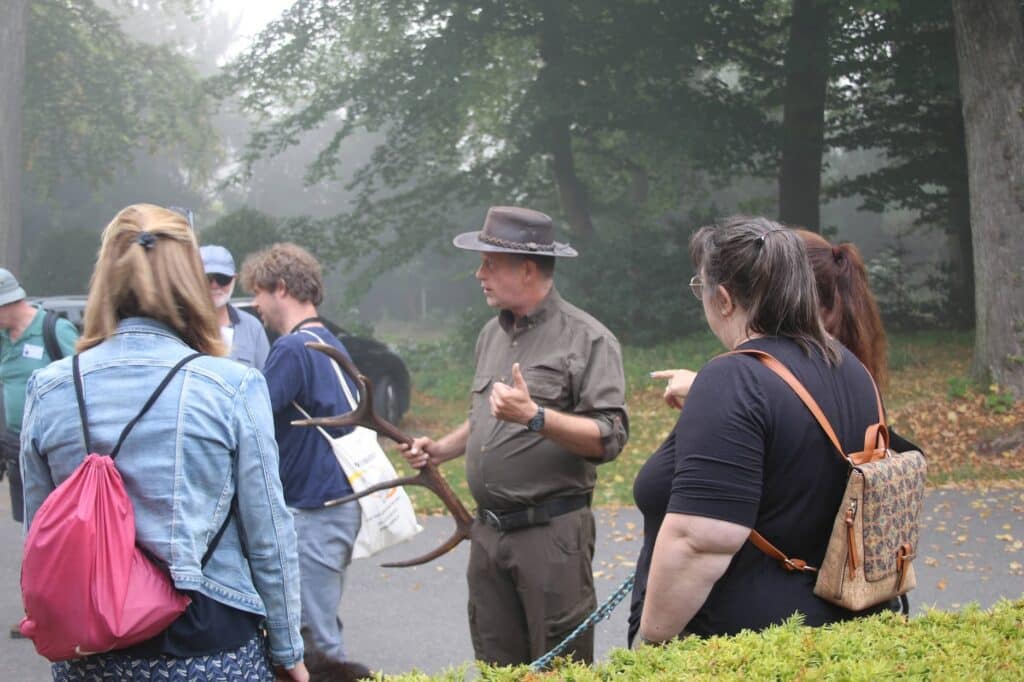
x=893 y=497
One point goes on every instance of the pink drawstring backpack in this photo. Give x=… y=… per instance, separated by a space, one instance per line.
x=87 y=587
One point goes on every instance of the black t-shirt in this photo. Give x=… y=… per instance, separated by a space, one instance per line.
x=747 y=450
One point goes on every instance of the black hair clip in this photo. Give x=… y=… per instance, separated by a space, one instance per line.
x=146 y=239
x=760 y=241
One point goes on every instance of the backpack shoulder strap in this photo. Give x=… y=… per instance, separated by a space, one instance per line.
x=772 y=363
x=50 y=342
x=76 y=372
x=80 y=396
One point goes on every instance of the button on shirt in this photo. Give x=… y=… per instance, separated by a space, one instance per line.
x=571 y=363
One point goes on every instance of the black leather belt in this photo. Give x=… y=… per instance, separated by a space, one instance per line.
x=539 y=515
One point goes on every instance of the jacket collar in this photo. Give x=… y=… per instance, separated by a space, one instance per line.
x=146 y=325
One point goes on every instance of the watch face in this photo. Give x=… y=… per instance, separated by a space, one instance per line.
x=536 y=423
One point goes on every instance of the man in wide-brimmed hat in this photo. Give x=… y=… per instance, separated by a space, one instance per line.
x=548 y=406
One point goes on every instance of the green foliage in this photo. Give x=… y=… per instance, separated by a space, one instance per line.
x=998 y=400
x=94 y=97
x=958 y=387
x=474 y=102
x=243 y=231
x=971 y=644
x=636 y=279
x=905 y=290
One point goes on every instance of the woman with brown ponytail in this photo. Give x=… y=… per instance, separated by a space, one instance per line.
x=848 y=308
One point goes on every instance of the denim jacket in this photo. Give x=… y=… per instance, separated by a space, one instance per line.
x=211 y=430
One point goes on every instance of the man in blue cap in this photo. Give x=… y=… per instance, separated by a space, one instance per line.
x=242 y=332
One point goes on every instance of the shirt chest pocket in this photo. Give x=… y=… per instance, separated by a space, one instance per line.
x=548 y=386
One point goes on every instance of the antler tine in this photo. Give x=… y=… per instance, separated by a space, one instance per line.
x=429 y=476
x=363 y=414
x=448 y=546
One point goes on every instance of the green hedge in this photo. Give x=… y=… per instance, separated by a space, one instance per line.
x=971 y=644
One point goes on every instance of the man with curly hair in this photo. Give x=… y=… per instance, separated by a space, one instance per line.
x=288 y=286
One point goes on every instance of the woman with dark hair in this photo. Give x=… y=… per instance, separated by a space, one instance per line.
x=202 y=459
x=745 y=453
x=848 y=310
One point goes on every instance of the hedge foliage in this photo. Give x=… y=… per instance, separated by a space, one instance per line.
x=970 y=644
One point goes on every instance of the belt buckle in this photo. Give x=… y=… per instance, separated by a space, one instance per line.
x=491 y=519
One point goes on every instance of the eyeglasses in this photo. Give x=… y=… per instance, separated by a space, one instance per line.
x=221 y=280
x=697 y=287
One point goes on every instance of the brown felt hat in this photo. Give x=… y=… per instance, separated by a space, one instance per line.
x=509 y=229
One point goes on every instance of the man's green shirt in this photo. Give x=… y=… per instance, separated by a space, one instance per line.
x=18 y=359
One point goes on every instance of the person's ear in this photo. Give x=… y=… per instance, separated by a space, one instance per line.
x=723 y=301
x=529 y=270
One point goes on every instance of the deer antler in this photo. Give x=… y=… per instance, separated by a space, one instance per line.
x=429 y=476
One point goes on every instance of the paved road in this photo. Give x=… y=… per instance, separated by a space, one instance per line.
x=403 y=619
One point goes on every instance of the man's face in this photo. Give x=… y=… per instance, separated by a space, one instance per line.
x=268 y=305
x=7 y=315
x=501 y=278
x=221 y=288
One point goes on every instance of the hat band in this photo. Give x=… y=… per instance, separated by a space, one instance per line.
x=506 y=244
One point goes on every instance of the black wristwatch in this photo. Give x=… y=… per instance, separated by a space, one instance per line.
x=536 y=422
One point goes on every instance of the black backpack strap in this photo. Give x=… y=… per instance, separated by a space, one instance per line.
x=233 y=511
x=80 y=396
x=152 y=399
x=50 y=342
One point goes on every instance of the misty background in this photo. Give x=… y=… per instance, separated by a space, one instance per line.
x=265 y=118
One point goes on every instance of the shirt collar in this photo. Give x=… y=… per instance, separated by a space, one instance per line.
x=233 y=315
x=535 y=317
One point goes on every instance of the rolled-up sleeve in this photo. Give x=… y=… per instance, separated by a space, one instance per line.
x=266 y=521
x=599 y=385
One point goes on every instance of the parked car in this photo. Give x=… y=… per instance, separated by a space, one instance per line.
x=382 y=365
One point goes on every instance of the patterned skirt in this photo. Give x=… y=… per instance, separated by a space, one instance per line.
x=248 y=663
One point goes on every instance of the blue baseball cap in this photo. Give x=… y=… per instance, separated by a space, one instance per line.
x=217 y=260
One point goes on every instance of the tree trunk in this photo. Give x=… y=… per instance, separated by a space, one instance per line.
x=13 y=26
x=803 y=114
x=555 y=130
x=961 y=250
x=990 y=52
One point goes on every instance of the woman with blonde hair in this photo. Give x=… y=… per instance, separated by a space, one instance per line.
x=201 y=464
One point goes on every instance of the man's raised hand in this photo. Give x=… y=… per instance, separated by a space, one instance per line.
x=512 y=403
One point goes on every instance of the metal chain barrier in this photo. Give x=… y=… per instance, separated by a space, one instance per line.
x=602 y=612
